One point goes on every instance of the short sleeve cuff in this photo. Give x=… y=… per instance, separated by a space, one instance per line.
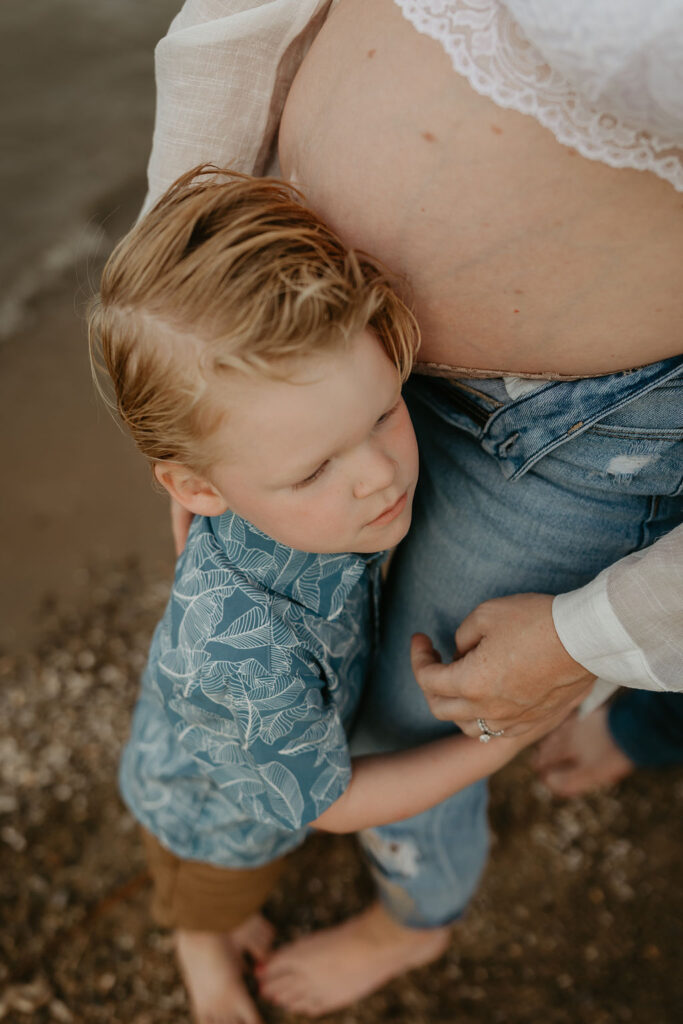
x=592 y=634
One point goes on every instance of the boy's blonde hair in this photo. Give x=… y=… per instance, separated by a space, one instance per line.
x=228 y=272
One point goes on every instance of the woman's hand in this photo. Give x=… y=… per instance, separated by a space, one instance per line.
x=511 y=669
x=180 y=525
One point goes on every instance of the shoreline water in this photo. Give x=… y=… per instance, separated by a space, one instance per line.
x=76 y=133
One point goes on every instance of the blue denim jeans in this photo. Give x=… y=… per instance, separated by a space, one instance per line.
x=537 y=493
x=648 y=727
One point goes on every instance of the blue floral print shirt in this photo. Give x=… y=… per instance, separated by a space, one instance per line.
x=239 y=737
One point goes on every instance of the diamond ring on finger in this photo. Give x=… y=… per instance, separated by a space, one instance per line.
x=487 y=733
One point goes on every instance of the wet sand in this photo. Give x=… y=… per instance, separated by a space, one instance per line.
x=77 y=133
x=578 y=919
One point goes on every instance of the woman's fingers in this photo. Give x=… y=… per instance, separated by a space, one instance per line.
x=512 y=667
x=423 y=656
x=470 y=631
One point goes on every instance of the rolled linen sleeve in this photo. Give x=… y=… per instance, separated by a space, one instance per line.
x=626 y=626
x=223 y=72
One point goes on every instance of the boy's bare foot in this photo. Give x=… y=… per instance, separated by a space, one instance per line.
x=332 y=968
x=580 y=756
x=255 y=937
x=212 y=966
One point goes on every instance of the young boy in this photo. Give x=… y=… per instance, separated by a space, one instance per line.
x=258 y=365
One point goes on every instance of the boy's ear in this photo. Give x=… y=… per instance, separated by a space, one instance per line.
x=195 y=493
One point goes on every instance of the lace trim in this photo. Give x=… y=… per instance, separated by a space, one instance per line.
x=487 y=47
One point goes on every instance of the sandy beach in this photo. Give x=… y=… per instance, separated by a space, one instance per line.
x=77 y=135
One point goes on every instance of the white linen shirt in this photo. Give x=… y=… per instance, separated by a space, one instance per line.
x=223 y=73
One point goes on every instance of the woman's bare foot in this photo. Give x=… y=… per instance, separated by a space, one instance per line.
x=580 y=756
x=212 y=965
x=332 y=968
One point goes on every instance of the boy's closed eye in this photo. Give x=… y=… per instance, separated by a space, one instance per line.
x=313 y=476
x=388 y=414
x=323 y=465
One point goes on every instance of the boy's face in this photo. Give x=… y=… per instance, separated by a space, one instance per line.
x=326 y=461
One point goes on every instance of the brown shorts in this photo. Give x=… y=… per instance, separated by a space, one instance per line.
x=201 y=897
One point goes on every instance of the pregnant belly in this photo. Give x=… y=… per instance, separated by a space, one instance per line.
x=517 y=253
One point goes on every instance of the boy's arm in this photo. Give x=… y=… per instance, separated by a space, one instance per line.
x=388 y=787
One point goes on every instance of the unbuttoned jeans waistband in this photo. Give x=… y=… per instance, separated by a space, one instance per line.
x=518 y=432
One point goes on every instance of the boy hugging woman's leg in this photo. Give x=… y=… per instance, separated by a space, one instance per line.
x=258 y=365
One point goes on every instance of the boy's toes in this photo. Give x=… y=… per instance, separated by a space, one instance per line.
x=255 y=936
x=305 y=1005
x=292 y=990
x=282 y=989
x=212 y=967
x=237 y=1012
x=234 y=1015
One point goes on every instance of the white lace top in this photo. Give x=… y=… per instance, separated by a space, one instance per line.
x=605 y=77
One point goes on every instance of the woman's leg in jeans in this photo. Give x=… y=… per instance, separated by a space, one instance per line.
x=477 y=536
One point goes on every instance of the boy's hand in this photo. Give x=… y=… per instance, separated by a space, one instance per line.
x=511 y=669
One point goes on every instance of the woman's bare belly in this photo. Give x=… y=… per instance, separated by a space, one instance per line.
x=520 y=255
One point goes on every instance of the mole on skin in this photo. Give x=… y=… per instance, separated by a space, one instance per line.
x=428 y=137
x=371 y=53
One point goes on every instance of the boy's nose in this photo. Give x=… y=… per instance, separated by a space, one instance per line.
x=375 y=473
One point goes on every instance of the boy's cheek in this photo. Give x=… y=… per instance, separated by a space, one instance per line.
x=412 y=457
x=311 y=526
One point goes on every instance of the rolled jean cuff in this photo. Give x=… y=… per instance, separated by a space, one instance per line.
x=404 y=916
x=648 y=727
